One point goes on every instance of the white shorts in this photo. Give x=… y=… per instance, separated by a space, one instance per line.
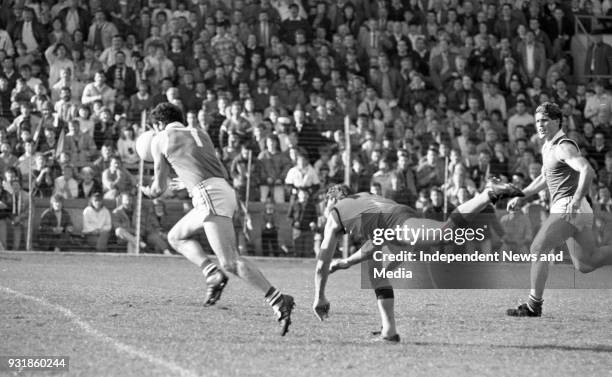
x=215 y=196
x=581 y=219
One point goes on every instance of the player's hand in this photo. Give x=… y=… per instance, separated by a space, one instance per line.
x=573 y=207
x=321 y=308
x=514 y=204
x=176 y=184
x=338 y=264
x=146 y=190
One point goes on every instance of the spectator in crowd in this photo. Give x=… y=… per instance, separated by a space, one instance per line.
x=598 y=56
x=153 y=232
x=105 y=128
x=88 y=185
x=79 y=145
x=517 y=231
x=241 y=175
x=58 y=57
x=56 y=228
x=103 y=162
x=25 y=162
x=115 y=179
x=97 y=223
x=98 y=90
x=101 y=31
x=600 y=101
x=42 y=175
x=65 y=108
x=85 y=122
x=597 y=151
x=384 y=177
x=7 y=158
x=13 y=210
x=303 y=216
x=66 y=185
x=123 y=218
x=436 y=209
x=126 y=148
x=459 y=181
x=269 y=231
x=430 y=170
x=302 y=175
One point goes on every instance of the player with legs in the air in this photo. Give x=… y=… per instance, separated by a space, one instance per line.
x=359 y=215
x=190 y=152
x=568 y=176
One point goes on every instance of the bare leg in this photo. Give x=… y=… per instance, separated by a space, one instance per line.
x=385 y=300
x=364 y=253
x=553 y=232
x=387 y=316
x=585 y=254
x=180 y=235
x=476 y=204
x=125 y=235
x=220 y=233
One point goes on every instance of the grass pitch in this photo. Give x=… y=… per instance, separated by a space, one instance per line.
x=143 y=316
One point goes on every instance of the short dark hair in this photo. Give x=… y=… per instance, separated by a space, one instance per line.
x=167 y=113
x=338 y=191
x=551 y=110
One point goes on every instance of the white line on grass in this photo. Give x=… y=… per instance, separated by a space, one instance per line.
x=122 y=347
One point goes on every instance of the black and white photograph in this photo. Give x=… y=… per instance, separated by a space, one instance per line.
x=306 y=188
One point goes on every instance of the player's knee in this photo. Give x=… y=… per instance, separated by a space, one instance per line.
x=384 y=293
x=174 y=238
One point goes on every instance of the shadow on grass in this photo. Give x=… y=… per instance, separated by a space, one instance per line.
x=598 y=348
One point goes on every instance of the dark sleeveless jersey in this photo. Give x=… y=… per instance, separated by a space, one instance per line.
x=561 y=179
x=191 y=154
x=362 y=213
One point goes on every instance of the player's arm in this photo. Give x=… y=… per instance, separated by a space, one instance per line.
x=537 y=185
x=568 y=153
x=161 y=170
x=328 y=247
x=364 y=253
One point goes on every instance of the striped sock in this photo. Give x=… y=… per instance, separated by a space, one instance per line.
x=534 y=303
x=208 y=268
x=274 y=297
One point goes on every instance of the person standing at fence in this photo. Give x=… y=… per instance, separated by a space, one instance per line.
x=13 y=209
x=190 y=153
x=275 y=165
x=123 y=222
x=56 y=228
x=303 y=216
x=269 y=232
x=97 y=223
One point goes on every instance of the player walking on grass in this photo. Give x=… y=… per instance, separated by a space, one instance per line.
x=191 y=154
x=359 y=215
x=568 y=176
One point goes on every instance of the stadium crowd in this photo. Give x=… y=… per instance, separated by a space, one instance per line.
x=439 y=96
